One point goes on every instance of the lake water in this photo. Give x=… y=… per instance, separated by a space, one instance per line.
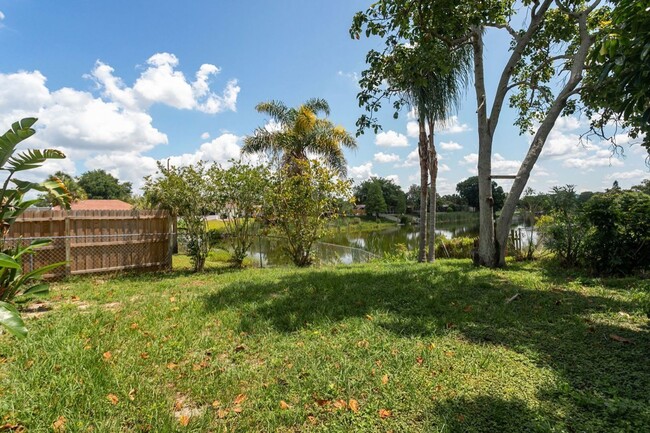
x=348 y=246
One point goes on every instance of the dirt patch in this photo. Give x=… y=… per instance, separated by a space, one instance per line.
x=112 y=306
x=36 y=309
x=184 y=408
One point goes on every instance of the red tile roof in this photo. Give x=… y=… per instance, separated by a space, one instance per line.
x=98 y=205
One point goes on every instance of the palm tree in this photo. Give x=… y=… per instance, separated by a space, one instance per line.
x=432 y=79
x=299 y=133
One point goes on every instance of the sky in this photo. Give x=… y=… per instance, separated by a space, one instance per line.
x=120 y=85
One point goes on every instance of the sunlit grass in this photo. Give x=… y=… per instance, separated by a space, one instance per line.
x=436 y=348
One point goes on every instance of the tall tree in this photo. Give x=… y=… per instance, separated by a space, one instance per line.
x=99 y=184
x=393 y=194
x=299 y=132
x=469 y=191
x=375 y=203
x=427 y=77
x=550 y=48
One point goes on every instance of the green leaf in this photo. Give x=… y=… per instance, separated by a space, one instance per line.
x=11 y=320
x=7 y=261
x=37 y=289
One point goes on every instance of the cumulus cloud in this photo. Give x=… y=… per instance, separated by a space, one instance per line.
x=500 y=165
x=412 y=129
x=361 y=172
x=453 y=126
x=637 y=175
x=450 y=145
x=386 y=157
x=601 y=158
x=2 y=16
x=394 y=178
x=391 y=139
x=113 y=128
x=205 y=136
x=412 y=160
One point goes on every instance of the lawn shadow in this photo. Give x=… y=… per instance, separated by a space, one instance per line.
x=603 y=364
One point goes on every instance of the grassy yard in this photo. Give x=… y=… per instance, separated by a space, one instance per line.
x=368 y=348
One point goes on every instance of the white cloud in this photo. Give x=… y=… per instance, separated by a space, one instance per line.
x=412 y=160
x=443 y=168
x=2 y=16
x=413 y=130
x=361 y=172
x=637 y=174
x=568 y=123
x=453 y=126
x=602 y=158
x=500 y=165
x=386 y=157
x=450 y=145
x=391 y=139
x=205 y=136
x=394 y=178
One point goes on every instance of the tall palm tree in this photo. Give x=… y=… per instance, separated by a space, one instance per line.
x=432 y=79
x=299 y=133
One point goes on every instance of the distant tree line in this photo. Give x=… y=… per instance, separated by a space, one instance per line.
x=94 y=184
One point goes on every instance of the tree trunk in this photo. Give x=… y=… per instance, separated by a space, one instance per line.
x=424 y=177
x=433 y=174
x=487 y=248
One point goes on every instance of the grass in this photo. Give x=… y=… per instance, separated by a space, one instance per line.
x=429 y=347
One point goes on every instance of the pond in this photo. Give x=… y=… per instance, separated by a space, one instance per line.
x=347 y=246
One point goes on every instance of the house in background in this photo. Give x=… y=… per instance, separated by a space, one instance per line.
x=98 y=205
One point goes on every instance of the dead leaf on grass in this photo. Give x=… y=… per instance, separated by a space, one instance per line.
x=354 y=405
x=385 y=413
x=132 y=394
x=340 y=404
x=384 y=379
x=184 y=420
x=222 y=413
x=113 y=398
x=284 y=405
x=107 y=356
x=59 y=424
x=239 y=399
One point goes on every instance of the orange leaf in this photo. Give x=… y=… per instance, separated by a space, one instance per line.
x=222 y=413
x=620 y=339
x=240 y=399
x=322 y=403
x=172 y=366
x=184 y=420
x=312 y=420
x=216 y=404
x=107 y=356
x=354 y=405
x=340 y=404
x=144 y=355
x=385 y=413
x=59 y=424
x=237 y=409
x=134 y=326
x=172 y=299
x=419 y=360
x=178 y=405
x=284 y=405
x=112 y=398
x=384 y=379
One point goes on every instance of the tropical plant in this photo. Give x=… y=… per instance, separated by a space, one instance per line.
x=75 y=191
x=14 y=282
x=300 y=202
x=297 y=133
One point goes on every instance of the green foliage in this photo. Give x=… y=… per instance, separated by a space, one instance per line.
x=300 y=202
x=619 y=70
x=242 y=188
x=98 y=184
x=619 y=238
x=189 y=195
x=393 y=196
x=374 y=200
x=564 y=230
x=15 y=283
x=468 y=191
x=456 y=248
x=301 y=132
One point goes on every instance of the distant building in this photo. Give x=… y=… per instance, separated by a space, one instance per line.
x=98 y=205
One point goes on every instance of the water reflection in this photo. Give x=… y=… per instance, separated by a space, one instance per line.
x=349 y=246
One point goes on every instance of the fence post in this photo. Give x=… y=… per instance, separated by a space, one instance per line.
x=68 y=269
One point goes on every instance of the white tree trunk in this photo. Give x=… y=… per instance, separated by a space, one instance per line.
x=424 y=177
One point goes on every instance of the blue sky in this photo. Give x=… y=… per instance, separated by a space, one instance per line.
x=118 y=85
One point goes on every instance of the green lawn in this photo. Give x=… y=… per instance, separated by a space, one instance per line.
x=369 y=348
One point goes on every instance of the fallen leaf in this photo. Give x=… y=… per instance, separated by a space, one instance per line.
x=384 y=379
x=240 y=348
x=144 y=355
x=354 y=405
x=112 y=398
x=385 y=413
x=132 y=394
x=369 y=317
x=340 y=404
x=184 y=420
x=222 y=413
x=322 y=402
x=107 y=356
x=172 y=299
x=134 y=326
x=467 y=309
x=240 y=399
x=363 y=343
x=178 y=405
x=74 y=298
x=284 y=405
x=419 y=360
x=13 y=427
x=216 y=404
x=460 y=418
x=172 y=365
x=87 y=347
x=59 y=424
x=237 y=409
x=312 y=419
x=449 y=354
x=620 y=339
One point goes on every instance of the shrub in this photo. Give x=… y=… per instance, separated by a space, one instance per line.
x=456 y=248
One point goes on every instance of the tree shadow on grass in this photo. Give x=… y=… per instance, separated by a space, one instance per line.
x=602 y=362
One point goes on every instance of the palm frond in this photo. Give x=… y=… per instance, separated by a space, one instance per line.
x=276 y=109
x=318 y=105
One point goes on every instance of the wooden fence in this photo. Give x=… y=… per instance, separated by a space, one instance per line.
x=96 y=241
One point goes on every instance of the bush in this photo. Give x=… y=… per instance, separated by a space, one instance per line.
x=618 y=241
x=406 y=220
x=456 y=248
x=355 y=221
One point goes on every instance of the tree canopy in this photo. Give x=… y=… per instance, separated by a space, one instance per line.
x=393 y=195
x=98 y=184
x=468 y=191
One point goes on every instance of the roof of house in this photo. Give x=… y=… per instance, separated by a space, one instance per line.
x=98 y=205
